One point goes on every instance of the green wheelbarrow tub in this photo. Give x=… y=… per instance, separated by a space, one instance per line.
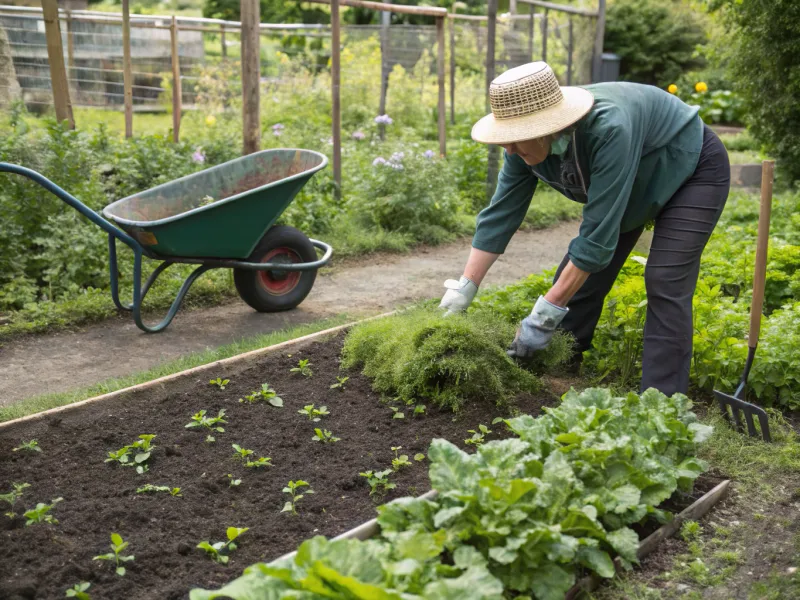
x=221 y=212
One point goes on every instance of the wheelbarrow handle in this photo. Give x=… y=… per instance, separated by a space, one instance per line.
x=72 y=201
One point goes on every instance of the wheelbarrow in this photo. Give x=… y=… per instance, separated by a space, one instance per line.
x=222 y=217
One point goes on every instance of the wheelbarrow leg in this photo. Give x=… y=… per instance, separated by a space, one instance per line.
x=114 y=272
x=176 y=304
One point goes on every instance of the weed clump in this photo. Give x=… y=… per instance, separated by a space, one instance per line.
x=448 y=360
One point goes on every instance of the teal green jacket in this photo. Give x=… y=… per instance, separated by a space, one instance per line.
x=626 y=158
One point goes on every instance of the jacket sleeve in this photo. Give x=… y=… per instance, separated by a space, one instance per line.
x=614 y=161
x=498 y=222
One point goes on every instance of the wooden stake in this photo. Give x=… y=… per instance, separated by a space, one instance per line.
x=70 y=44
x=127 y=71
x=440 y=72
x=222 y=41
x=58 y=70
x=493 y=156
x=544 y=36
x=453 y=71
x=177 y=88
x=336 y=99
x=385 y=21
x=250 y=15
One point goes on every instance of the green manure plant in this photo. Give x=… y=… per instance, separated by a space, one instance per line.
x=199 y=419
x=135 y=455
x=30 y=446
x=314 y=414
x=78 y=591
x=423 y=355
x=118 y=546
x=220 y=382
x=265 y=394
x=220 y=551
x=303 y=367
x=41 y=513
x=294 y=497
x=324 y=435
x=245 y=454
x=400 y=460
x=478 y=435
x=378 y=482
x=340 y=381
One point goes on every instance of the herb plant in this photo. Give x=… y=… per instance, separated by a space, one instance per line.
x=79 y=591
x=303 y=367
x=266 y=393
x=199 y=419
x=291 y=489
x=399 y=461
x=340 y=381
x=41 y=514
x=30 y=446
x=150 y=488
x=378 y=482
x=219 y=550
x=118 y=545
x=478 y=435
x=312 y=413
x=220 y=382
x=324 y=435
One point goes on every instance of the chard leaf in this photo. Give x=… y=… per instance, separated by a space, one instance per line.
x=551 y=582
x=626 y=497
x=446 y=515
x=474 y=583
x=700 y=432
x=625 y=542
x=597 y=560
x=251 y=586
x=451 y=467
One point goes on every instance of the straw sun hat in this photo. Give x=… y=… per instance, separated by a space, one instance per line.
x=528 y=103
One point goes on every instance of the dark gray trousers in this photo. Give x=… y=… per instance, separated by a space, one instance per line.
x=681 y=232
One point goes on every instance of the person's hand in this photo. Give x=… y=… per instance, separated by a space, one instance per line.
x=458 y=296
x=537 y=329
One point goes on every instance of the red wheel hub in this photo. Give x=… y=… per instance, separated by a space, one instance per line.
x=278 y=282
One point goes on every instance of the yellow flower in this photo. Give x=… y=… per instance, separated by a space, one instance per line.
x=701 y=87
x=211 y=120
x=672 y=89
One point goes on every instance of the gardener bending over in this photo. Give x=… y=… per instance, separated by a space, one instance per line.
x=631 y=154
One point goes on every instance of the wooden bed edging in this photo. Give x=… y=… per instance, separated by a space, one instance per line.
x=193 y=371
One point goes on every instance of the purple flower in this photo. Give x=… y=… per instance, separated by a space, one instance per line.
x=379 y=161
x=397 y=157
x=358 y=135
x=383 y=120
x=199 y=156
x=277 y=129
x=395 y=166
x=429 y=154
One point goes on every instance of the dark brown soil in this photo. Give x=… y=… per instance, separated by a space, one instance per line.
x=42 y=561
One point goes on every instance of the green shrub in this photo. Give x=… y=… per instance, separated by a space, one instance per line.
x=655 y=39
x=421 y=354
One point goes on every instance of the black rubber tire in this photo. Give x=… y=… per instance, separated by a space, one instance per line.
x=251 y=285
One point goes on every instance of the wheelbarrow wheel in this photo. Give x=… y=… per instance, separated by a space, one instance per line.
x=273 y=291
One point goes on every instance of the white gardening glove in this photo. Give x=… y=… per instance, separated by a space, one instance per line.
x=537 y=329
x=458 y=296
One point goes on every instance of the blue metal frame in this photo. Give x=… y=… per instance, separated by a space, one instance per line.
x=139 y=290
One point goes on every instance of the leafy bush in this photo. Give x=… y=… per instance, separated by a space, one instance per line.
x=656 y=40
x=717 y=106
x=450 y=360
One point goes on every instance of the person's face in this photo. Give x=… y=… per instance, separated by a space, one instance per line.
x=531 y=151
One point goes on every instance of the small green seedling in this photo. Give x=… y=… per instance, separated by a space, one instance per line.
x=41 y=514
x=150 y=488
x=12 y=497
x=117 y=546
x=312 y=413
x=30 y=446
x=199 y=419
x=79 y=591
x=419 y=409
x=240 y=452
x=210 y=439
x=340 y=381
x=303 y=367
x=378 y=482
x=419 y=457
x=219 y=550
x=399 y=461
x=324 y=435
x=398 y=414
x=262 y=461
x=267 y=394
x=141 y=450
x=220 y=382
x=477 y=436
x=497 y=420
x=291 y=489
x=233 y=482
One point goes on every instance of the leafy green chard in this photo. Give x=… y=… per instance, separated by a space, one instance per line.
x=478 y=435
x=30 y=446
x=266 y=394
x=118 y=545
x=199 y=419
x=378 y=482
x=220 y=382
x=41 y=513
x=340 y=381
x=324 y=435
x=303 y=367
x=294 y=497
x=78 y=591
x=219 y=551
x=314 y=414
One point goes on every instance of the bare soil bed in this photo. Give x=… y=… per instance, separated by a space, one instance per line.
x=42 y=561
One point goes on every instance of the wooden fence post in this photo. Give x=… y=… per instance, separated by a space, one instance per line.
x=532 y=10
x=58 y=70
x=127 y=71
x=440 y=72
x=493 y=158
x=597 y=57
x=385 y=21
x=452 y=70
x=223 y=45
x=544 y=35
x=336 y=100
x=177 y=88
x=251 y=54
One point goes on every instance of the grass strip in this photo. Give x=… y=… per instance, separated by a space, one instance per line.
x=37 y=404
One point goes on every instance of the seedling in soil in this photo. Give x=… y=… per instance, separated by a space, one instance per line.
x=219 y=550
x=233 y=482
x=31 y=446
x=210 y=439
x=263 y=461
x=266 y=393
x=399 y=461
x=419 y=457
x=149 y=487
x=378 y=482
x=240 y=452
x=12 y=497
x=303 y=367
x=141 y=450
x=324 y=435
x=419 y=409
x=220 y=382
x=314 y=413
x=41 y=514
x=398 y=414
x=117 y=546
x=79 y=591
x=199 y=419
x=291 y=489
x=477 y=436
x=340 y=381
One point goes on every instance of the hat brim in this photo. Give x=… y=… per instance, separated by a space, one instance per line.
x=574 y=105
